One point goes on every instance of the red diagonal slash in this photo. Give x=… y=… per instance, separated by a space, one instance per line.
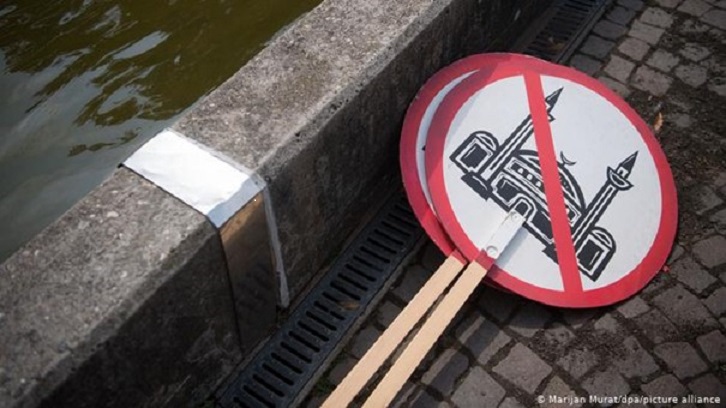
x=561 y=231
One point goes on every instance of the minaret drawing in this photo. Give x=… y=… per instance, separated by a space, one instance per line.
x=518 y=138
x=617 y=180
x=511 y=177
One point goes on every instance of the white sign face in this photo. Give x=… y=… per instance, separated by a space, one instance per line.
x=415 y=133
x=570 y=157
x=423 y=135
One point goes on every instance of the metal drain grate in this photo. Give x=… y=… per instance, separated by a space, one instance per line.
x=565 y=30
x=298 y=349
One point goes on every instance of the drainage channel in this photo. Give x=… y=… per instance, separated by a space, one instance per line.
x=299 y=351
x=569 y=23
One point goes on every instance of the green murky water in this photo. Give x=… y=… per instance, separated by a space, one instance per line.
x=84 y=83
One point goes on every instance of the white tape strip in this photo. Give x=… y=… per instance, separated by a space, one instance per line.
x=207 y=181
x=190 y=172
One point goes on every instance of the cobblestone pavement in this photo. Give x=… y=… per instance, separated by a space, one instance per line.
x=667 y=58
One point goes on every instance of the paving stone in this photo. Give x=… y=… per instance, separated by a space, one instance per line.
x=716 y=18
x=363 y=340
x=636 y=5
x=404 y=395
x=691 y=274
x=718 y=85
x=682 y=359
x=619 y=68
x=676 y=253
x=657 y=17
x=597 y=47
x=315 y=401
x=608 y=29
x=606 y=383
x=478 y=389
x=558 y=336
x=445 y=371
x=511 y=402
x=665 y=386
x=386 y=313
x=425 y=400
x=694 y=7
x=578 y=362
x=585 y=64
x=482 y=338
x=708 y=386
x=668 y=3
x=684 y=309
x=711 y=251
x=693 y=27
x=497 y=304
x=607 y=323
x=634 y=48
x=680 y=104
x=713 y=345
x=663 y=60
x=692 y=74
x=413 y=279
x=530 y=319
x=719 y=35
x=719 y=219
x=681 y=120
x=635 y=362
x=577 y=317
x=633 y=307
x=720 y=180
x=341 y=369
x=646 y=32
x=694 y=52
x=656 y=327
x=558 y=388
x=615 y=86
x=714 y=65
x=659 y=281
x=432 y=257
x=621 y=15
x=708 y=200
x=523 y=368
x=717 y=302
x=651 y=81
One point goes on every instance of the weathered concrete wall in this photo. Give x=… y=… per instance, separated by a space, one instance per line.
x=126 y=300
x=318 y=113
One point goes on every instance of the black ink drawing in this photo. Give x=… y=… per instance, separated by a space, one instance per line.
x=511 y=177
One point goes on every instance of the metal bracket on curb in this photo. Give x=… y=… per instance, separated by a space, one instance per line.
x=235 y=201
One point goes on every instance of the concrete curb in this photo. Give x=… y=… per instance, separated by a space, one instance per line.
x=126 y=300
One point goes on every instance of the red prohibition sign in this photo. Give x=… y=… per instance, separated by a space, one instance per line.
x=575 y=160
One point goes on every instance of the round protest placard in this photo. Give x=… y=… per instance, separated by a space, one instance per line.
x=571 y=157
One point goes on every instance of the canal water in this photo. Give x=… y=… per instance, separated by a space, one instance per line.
x=83 y=83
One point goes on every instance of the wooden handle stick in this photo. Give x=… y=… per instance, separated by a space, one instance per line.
x=359 y=376
x=426 y=337
x=443 y=314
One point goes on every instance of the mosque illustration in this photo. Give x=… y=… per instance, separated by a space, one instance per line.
x=511 y=177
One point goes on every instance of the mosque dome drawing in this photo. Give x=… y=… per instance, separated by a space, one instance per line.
x=511 y=177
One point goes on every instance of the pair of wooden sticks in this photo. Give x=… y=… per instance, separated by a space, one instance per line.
x=431 y=329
